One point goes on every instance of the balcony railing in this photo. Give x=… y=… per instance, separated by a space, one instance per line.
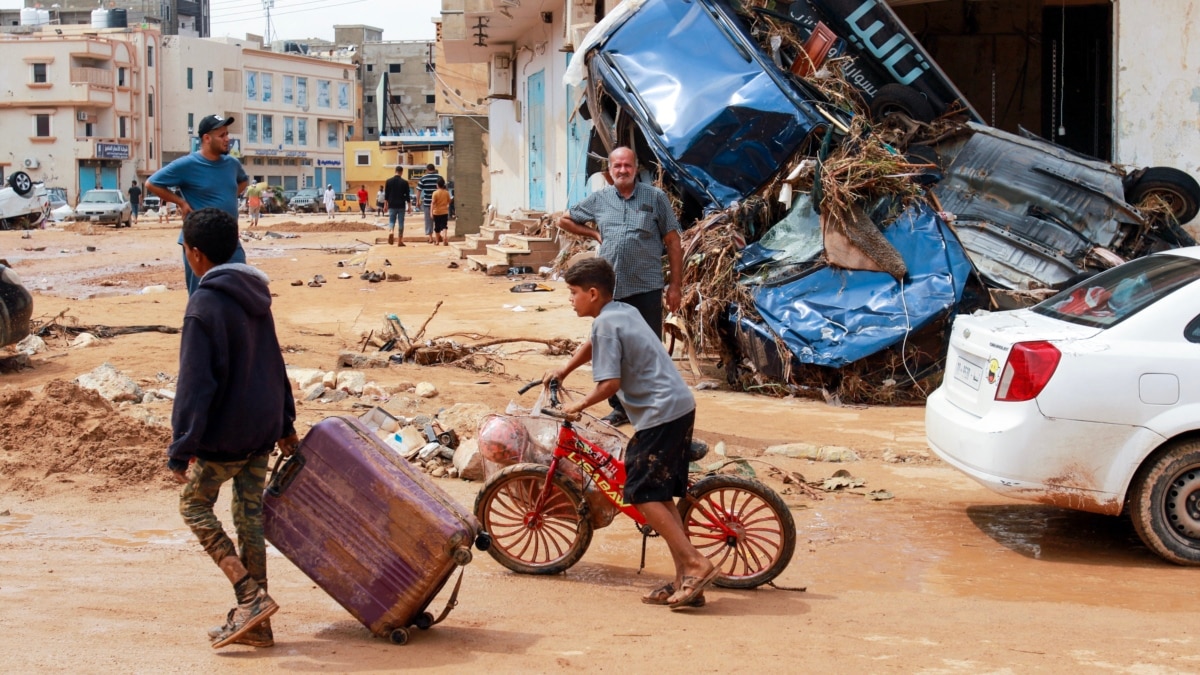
x=93 y=76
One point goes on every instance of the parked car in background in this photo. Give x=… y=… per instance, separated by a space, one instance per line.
x=16 y=306
x=346 y=202
x=307 y=200
x=1089 y=400
x=23 y=203
x=110 y=207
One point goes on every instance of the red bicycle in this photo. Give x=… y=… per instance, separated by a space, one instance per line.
x=539 y=521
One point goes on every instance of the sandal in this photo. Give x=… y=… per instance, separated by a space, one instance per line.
x=662 y=594
x=691 y=588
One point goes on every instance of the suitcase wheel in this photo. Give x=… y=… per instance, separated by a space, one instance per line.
x=424 y=622
x=398 y=636
x=462 y=556
x=483 y=541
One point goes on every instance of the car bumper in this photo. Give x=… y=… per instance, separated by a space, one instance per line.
x=98 y=217
x=1016 y=451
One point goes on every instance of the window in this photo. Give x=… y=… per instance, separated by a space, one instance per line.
x=289 y=136
x=323 y=93
x=189 y=78
x=251 y=85
x=289 y=86
x=210 y=83
x=332 y=136
x=151 y=146
x=39 y=73
x=121 y=76
x=395 y=99
x=150 y=105
x=370 y=67
x=1117 y=294
x=88 y=130
x=123 y=127
x=343 y=95
x=268 y=132
x=393 y=67
x=429 y=67
x=370 y=131
x=267 y=85
x=252 y=128
x=430 y=98
x=41 y=125
x=302 y=92
x=302 y=131
x=191 y=123
x=362 y=158
x=149 y=56
x=370 y=98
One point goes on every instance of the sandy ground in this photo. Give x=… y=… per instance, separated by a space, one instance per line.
x=100 y=575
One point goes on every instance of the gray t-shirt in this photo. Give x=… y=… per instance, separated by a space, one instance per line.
x=624 y=347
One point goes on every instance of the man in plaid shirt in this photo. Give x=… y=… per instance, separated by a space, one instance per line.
x=635 y=225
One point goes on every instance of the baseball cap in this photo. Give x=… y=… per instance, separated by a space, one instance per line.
x=210 y=122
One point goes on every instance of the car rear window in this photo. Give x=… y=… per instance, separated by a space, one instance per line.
x=1117 y=294
x=103 y=197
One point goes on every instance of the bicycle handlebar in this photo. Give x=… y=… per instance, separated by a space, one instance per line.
x=554 y=385
x=529 y=386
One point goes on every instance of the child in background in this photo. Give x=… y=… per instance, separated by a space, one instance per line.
x=440 y=210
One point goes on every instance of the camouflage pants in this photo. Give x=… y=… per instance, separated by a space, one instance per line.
x=200 y=496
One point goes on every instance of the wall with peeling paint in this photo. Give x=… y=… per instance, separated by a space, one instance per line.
x=1157 y=83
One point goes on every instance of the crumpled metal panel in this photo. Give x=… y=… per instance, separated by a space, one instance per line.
x=833 y=317
x=1029 y=211
x=720 y=117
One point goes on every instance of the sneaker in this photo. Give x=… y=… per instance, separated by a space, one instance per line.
x=391 y=238
x=616 y=418
x=259 y=636
x=244 y=617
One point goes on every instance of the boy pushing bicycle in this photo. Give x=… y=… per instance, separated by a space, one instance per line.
x=628 y=360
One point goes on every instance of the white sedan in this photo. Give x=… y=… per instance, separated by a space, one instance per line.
x=1088 y=401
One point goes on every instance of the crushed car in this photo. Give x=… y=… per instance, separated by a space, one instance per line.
x=24 y=204
x=16 y=306
x=735 y=128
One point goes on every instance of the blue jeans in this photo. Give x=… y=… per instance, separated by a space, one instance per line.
x=396 y=219
x=193 y=281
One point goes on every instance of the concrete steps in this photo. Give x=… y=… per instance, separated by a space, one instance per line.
x=502 y=243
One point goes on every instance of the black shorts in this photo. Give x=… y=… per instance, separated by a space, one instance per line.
x=656 y=465
x=440 y=222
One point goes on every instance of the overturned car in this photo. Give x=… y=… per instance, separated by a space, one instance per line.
x=861 y=287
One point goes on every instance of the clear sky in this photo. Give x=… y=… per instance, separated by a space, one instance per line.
x=399 y=19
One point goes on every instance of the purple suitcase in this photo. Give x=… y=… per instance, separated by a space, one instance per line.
x=369 y=528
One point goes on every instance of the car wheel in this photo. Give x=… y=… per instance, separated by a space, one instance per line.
x=1164 y=503
x=21 y=183
x=1179 y=190
x=897 y=98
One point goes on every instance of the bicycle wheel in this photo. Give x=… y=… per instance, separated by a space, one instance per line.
x=766 y=533
x=548 y=541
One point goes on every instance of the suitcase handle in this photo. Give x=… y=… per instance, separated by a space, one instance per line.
x=284 y=472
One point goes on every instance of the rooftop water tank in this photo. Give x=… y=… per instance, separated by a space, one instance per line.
x=32 y=16
x=100 y=18
x=118 y=18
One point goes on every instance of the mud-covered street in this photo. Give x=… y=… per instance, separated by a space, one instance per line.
x=101 y=575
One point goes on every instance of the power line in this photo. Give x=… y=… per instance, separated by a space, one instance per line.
x=243 y=16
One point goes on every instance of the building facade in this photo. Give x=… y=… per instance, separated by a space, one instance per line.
x=170 y=17
x=292 y=113
x=82 y=109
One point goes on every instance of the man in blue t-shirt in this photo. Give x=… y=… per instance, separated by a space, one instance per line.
x=207 y=177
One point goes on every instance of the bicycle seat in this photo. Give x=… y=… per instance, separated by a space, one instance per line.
x=698 y=450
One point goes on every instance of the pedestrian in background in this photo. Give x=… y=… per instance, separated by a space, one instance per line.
x=362 y=200
x=135 y=199
x=329 y=199
x=396 y=195
x=207 y=177
x=439 y=206
x=427 y=185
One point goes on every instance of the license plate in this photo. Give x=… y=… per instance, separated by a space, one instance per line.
x=967 y=372
x=95 y=219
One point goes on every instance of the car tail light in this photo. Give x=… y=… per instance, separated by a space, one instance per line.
x=1029 y=368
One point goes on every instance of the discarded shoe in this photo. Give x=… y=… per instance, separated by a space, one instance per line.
x=319 y=279
x=244 y=617
x=387 y=263
x=314 y=284
x=529 y=287
x=453 y=265
x=398 y=277
x=297 y=283
x=344 y=275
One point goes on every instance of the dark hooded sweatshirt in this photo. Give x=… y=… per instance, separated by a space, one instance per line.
x=233 y=400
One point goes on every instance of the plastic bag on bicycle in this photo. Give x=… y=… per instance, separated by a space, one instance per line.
x=515 y=438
